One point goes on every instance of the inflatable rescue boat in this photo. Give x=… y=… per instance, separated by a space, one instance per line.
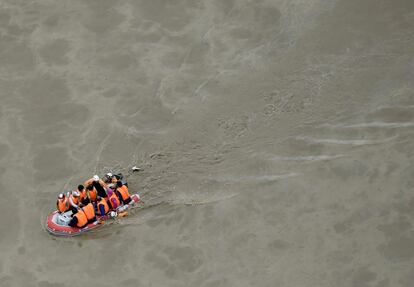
x=58 y=223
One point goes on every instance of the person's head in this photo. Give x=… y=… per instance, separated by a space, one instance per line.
x=61 y=196
x=109 y=175
x=89 y=187
x=81 y=187
x=95 y=178
x=76 y=193
x=119 y=183
x=110 y=191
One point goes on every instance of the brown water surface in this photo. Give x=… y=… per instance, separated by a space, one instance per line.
x=276 y=139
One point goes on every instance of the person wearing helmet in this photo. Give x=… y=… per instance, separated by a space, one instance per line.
x=74 y=201
x=98 y=184
x=111 y=179
x=62 y=203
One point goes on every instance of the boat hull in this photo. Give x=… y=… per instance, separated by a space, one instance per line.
x=58 y=229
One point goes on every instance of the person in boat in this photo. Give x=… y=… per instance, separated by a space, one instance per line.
x=74 y=200
x=62 y=203
x=110 y=179
x=79 y=219
x=102 y=206
x=122 y=192
x=89 y=211
x=83 y=196
x=99 y=185
x=113 y=199
x=91 y=192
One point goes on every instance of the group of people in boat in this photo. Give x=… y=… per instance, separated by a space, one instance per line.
x=96 y=197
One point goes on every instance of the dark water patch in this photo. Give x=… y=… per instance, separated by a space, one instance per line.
x=385 y=283
x=363 y=277
x=187 y=259
x=151 y=37
x=4 y=18
x=4 y=149
x=398 y=248
x=268 y=16
x=393 y=114
x=241 y=33
x=101 y=16
x=173 y=59
x=157 y=261
x=299 y=145
x=224 y=6
x=111 y=93
x=340 y=257
x=118 y=61
x=349 y=168
x=9 y=223
x=354 y=219
x=50 y=284
x=44 y=90
x=50 y=115
x=21 y=250
x=400 y=226
x=19 y=277
x=407 y=280
x=172 y=15
x=354 y=29
x=216 y=283
x=198 y=53
x=54 y=53
x=279 y=244
x=132 y=282
x=15 y=56
x=51 y=21
x=51 y=164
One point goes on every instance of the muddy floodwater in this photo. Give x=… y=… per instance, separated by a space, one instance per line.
x=276 y=139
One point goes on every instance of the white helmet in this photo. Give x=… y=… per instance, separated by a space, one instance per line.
x=76 y=193
x=109 y=174
x=61 y=196
x=95 y=178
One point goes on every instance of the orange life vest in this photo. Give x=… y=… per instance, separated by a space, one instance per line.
x=114 y=196
x=92 y=194
x=82 y=194
x=105 y=204
x=123 y=190
x=82 y=219
x=74 y=199
x=62 y=204
x=89 y=211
